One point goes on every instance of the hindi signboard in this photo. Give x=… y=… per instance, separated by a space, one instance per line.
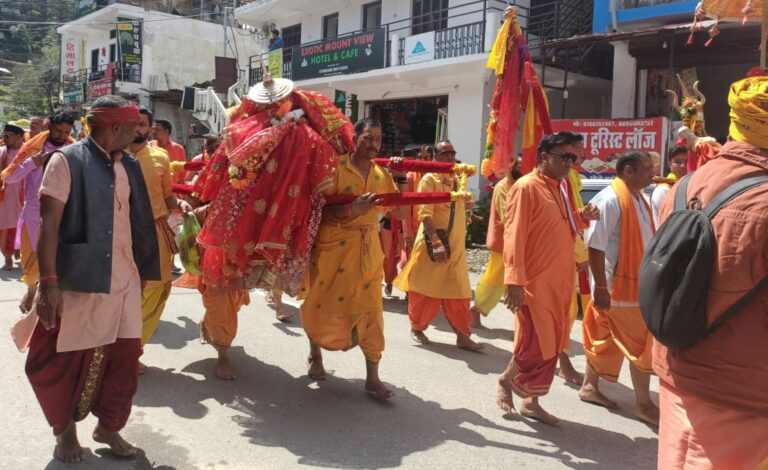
x=129 y=40
x=351 y=54
x=97 y=88
x=83 y=7
x=606 y=139
x=419 y=48
x=70 y=56
x=72 y=94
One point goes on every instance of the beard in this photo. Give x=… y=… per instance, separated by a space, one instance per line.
x=140 y=139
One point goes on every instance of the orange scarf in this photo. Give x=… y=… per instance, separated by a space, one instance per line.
x=631 y=248
x=30 y=148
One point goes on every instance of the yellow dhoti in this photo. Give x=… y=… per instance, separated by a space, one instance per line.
x=156 y=293
x=611 y=336
x=29 y=267
x=153 y=299
x=490 y=288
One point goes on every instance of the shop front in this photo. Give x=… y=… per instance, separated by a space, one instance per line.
x=408 y=122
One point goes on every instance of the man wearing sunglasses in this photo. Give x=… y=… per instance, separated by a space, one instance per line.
x=613 y=325
x=539 y=235
x=439 y=280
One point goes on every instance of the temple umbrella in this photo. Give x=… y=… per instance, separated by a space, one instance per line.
x=744 y=11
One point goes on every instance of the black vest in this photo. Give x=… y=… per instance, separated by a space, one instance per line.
x=84 y=256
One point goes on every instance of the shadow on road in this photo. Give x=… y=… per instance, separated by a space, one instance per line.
x=173 y=336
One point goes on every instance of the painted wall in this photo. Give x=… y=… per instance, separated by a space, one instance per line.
x=624 y=78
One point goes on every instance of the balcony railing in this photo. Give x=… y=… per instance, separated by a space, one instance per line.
x=125 y=73
x=460 y=30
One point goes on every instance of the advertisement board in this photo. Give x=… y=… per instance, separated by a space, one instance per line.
x=419 y=48
x=276 y=63
x=70 y=55
x=351 y=54
x=83 y=7
x=606 y=139
x=97 y=88
x=129 y=40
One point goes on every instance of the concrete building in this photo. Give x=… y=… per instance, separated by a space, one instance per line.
x=651 y=46
x=418 y=66
x=146 y=55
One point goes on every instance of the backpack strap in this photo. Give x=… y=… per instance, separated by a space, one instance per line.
x=741 y=303
x=681 y=195
x=731 y=192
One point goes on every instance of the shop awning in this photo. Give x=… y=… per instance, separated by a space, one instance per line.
x=617 y=36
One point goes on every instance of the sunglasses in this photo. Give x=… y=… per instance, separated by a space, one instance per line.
x=565 y=156
x=447 y=152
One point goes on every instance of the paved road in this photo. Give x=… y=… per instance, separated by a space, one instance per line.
x=443 y=416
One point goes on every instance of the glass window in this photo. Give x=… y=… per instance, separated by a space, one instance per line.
x=331 y=26
x=372 y=15
x=292 y=35
x=429 y=15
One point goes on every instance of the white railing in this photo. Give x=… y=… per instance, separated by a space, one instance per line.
x=240 y=88
x=210 y=109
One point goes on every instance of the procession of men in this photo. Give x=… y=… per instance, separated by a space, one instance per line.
x=97 y=252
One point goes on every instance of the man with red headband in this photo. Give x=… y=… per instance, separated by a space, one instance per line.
x=97 y=246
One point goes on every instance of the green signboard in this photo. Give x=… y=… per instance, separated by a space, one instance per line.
x=348 y=103
x=350 y=54
x=83 y=7
x=129 y=41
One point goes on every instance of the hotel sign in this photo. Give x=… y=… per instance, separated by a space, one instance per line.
x=351 y=54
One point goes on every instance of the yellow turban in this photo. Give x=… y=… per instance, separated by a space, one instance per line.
x=749 y=111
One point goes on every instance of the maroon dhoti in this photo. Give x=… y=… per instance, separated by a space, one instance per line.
x=535 y=374
x=71 y=384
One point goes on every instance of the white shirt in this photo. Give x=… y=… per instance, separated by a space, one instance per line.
x=659 y=193
x=605 y=234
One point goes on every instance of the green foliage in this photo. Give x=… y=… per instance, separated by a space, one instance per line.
x=31 y=51
x=478 y=228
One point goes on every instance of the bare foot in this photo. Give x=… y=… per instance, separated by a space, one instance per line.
x=316 y=370
x=8 y=264
x=464 y=342
x=388 y=290
x=224 y=369
x=534 y=411
x=504 y=396
x=117 y=445
x=269 y=298
x=590 y=394
x=143 y=369
x=420 y=337
x=648 y=412
x=378 y=387
x=67 y=446
x=476 y=322
x=282 y=314
x=567 y=372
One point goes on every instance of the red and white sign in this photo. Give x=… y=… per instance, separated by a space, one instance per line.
x=606 y=139
x=70 y=55
x=97 y=88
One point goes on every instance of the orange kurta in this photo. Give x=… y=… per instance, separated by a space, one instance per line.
x=539 y=255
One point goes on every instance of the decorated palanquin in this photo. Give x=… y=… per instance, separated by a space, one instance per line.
x=264 y=185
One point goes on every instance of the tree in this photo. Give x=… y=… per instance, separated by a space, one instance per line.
x=31 y=51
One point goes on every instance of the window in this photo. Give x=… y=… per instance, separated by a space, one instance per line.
x=112 y=53
x=331 y=26
x=429 y=15
x=292 y=35
x=371 y=15
x=94 y=60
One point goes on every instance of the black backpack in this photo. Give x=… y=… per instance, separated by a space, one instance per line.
x=676 y=269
